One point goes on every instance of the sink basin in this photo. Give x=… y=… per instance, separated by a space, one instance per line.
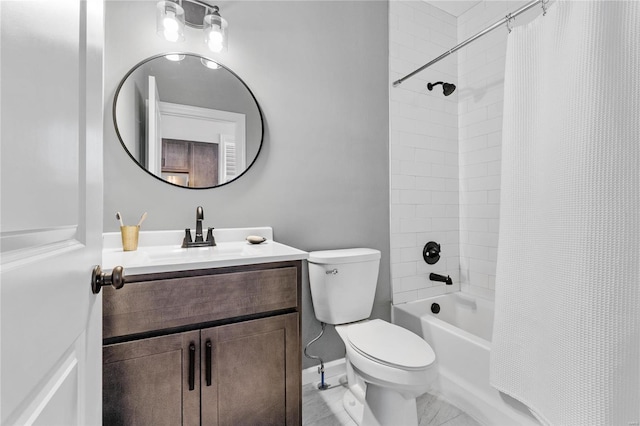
x=221 y=250
x=160 y=251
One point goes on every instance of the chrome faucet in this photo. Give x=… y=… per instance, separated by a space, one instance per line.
x=199 y=240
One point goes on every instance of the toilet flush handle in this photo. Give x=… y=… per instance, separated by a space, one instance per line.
x=332 y=272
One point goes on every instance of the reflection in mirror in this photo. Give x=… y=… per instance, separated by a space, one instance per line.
x=188 y=120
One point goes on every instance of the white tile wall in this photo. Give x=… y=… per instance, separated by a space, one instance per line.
x=445 y=151
x=423 y=150
x=480 y=94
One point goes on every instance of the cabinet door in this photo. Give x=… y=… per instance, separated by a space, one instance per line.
x=176 y=156
x=204 y=164
x=255 y=373
x=153 y=381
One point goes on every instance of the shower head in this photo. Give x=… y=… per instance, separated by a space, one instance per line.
x=447 y=88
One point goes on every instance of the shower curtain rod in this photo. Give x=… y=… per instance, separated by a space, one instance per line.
x=506 y=19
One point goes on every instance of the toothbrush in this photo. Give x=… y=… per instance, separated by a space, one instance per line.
x=119 y=217
x=144 y=216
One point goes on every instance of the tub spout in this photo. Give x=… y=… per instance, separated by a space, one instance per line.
x=436 y=277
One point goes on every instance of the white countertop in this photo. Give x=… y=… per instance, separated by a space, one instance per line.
x=160 y=251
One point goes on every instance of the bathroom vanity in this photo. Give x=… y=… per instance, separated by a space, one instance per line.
x=208 y=335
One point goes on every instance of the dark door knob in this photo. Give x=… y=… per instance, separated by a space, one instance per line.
x=100 y=279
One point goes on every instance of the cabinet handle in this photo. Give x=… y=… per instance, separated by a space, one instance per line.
x=207 y=365
x=192 y=366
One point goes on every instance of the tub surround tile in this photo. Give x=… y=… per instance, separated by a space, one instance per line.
x=481 y=74
x=405 y=296
x=475 y=290
x=423 y=147
x=438 y=290
x=445 y=151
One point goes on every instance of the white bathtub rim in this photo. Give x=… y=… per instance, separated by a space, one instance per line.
x=451 y=388
x=464 y=334
x=408 y=308
x=463 y=294
x=480 y=400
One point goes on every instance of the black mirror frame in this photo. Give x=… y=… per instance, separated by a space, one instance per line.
x=115 y=123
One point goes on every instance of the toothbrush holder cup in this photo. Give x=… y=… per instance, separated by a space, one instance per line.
x=130 y=237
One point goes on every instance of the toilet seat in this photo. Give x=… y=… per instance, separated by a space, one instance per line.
x=390 y=345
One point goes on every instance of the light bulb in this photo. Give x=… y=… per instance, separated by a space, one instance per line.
x=215 y=37
x=215 y=47
x=215 y=32
x=172 y=36
x=169 y=22
x=215 y=40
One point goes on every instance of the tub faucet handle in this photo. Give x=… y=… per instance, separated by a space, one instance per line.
x=431 y=252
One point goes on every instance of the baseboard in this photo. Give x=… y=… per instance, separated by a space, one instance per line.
x=332 y=369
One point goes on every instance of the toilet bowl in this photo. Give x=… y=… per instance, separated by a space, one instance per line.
x=388 y=367
x=395 y=366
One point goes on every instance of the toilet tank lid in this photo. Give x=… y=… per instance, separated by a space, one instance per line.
x=343 y=256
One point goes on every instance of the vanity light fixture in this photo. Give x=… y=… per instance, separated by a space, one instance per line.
x=173 y=15
x=215 y=31
x=170 y=21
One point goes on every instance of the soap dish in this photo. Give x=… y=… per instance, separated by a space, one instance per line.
x=254 y=239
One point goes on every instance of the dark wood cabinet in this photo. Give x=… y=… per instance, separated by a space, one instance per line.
x=204 y=164
x=176 y=156
x=197 y=159
x=229 y=353
x=146 y=382
x=253 y=378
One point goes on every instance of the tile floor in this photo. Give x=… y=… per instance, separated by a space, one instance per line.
x=324 y=408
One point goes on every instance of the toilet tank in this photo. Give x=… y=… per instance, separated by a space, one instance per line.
x=343 y=283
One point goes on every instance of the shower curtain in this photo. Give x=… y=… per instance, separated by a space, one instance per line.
x=566 y=336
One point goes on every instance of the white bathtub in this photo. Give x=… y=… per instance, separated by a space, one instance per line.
x=460 y=335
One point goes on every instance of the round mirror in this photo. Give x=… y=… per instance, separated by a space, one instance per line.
x=188 y=120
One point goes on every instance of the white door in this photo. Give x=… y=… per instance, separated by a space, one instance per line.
x=154 y=129
x=51 y=211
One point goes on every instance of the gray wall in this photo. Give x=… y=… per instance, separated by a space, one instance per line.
x=319 y=70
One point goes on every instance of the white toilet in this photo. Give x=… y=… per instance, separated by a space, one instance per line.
x=388 y=367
